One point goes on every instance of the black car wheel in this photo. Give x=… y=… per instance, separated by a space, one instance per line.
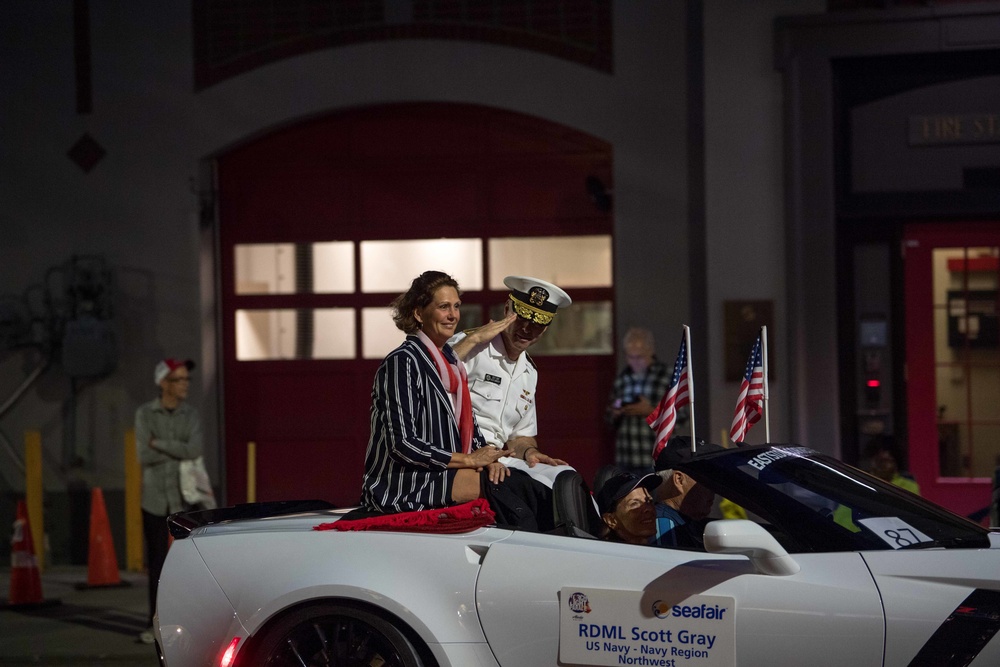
x=332 y=635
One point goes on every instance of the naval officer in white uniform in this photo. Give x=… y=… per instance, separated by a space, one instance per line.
x=503 y=378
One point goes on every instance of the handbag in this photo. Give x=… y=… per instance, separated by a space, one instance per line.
x=196 y=487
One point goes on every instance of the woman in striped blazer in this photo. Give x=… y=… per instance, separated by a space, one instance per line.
x=425 y=448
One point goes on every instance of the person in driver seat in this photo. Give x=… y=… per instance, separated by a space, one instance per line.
x=683 y=504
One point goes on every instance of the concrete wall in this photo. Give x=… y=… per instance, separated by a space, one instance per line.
x=744 y=193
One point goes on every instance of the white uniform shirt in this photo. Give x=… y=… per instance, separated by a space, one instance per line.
x=503 y=392
x=503 y=398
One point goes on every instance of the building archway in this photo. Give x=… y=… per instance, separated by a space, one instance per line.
x=324 y=222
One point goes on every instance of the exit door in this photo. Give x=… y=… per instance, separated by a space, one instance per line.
x=952 y=275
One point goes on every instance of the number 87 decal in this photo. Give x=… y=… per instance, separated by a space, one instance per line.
x=894 y=531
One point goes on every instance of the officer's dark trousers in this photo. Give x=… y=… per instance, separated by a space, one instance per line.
x=520 y=501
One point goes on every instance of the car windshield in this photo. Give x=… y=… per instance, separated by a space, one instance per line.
x=811 y=502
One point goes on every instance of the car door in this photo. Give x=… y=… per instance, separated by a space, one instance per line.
x=624 y=604
x=942 y=606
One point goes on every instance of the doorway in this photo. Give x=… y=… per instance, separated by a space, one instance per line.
x=323 y=223
x=952 y=276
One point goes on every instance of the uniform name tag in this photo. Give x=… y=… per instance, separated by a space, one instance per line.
x=492 y=378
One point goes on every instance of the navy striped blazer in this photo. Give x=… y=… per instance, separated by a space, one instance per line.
x=414 y=432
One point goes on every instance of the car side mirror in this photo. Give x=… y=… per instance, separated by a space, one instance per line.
x=739 y=536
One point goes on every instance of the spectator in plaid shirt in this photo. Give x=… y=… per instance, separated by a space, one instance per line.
x=636 y=391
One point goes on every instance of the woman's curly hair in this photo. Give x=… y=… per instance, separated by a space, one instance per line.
x=420 y=294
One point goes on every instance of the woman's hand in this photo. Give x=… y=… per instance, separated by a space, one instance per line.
x=468 y=480
x=477 y=458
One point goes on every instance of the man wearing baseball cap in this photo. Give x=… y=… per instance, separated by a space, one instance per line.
x=167 y=431
x=625 y=502
x=503 y=378
x=684 y=504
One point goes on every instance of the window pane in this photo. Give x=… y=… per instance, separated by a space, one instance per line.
x=333 y=267
x=952 y=393
x=567 y=261
x=333 y=334
x=290 y=268
x=472 y=317
x=967 y=359
x=942 y=320
x=985 y=450
x=583 y=328
x=379 y=335
x=390 y=266
x=950 y=273
x=984 y=393
x=265 y=268
x=295 y=333
x=950 y=449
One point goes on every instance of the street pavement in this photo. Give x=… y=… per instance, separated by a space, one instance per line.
x=88 y=626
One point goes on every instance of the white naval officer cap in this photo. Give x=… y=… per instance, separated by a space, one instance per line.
x=535 y=299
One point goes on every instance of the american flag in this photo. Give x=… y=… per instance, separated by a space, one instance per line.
x=664 y=417
x=751 y=402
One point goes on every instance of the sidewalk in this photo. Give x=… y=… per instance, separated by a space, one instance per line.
x=97 y=626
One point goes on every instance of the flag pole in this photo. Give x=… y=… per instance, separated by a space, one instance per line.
x=687 y=344
x=767 y=410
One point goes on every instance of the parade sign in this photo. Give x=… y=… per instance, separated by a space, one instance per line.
x=611 y=627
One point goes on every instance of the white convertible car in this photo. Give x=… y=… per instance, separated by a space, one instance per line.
x=833 y=568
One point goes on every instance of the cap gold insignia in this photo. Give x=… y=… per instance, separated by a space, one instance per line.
x=535 y=306
x=538 y=296
x=530 y=313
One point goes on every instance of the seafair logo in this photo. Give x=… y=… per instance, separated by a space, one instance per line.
x=579 y=603
x=711 y=612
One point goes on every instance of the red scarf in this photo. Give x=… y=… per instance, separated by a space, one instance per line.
x=456 y=383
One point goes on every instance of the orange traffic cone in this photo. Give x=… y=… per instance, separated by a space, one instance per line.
x=25 y=580
x=102 y=564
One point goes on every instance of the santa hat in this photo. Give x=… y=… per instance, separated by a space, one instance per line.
x=168 y=366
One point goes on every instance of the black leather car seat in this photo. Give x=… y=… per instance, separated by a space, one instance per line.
x=573 y=507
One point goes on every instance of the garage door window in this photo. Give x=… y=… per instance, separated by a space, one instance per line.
x=277 y=276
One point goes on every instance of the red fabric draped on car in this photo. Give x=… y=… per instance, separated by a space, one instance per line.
x=455 y=519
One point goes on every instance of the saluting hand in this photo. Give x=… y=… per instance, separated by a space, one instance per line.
x=483 y=334
x=490 y=330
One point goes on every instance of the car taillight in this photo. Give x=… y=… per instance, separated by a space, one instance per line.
x=227 y=657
